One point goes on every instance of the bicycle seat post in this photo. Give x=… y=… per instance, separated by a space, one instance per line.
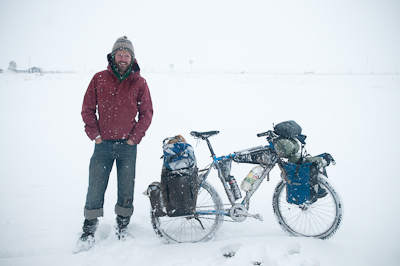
x=211 y=149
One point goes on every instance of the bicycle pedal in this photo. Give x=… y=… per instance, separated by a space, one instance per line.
x=255 y=216
x=259 y=217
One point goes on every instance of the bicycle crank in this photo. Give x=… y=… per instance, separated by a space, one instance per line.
x=239 y=213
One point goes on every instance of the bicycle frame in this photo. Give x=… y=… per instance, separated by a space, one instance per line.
x=250 y=193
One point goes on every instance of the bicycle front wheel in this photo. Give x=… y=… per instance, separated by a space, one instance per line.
x=202 y=226
x=320 y=219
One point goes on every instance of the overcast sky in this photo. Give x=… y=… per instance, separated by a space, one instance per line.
x=216 y=34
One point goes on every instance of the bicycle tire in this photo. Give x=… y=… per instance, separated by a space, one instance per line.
x=200 y=227
x=319 y=220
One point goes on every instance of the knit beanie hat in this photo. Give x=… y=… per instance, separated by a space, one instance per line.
x=123 y=43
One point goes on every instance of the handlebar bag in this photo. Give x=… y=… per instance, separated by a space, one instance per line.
x=287 y=129
x=180 y=189
x=301 y=182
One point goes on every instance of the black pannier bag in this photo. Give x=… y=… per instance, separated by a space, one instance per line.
x=176 y=194
x=257 y=155
x=180 y=189
x=301 y=182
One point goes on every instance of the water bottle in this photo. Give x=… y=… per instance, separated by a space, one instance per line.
x=254 y=174
x=234 y=187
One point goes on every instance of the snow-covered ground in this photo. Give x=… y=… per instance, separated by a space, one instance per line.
x=44 y=159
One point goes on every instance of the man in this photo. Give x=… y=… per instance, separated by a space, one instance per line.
x=118 y=94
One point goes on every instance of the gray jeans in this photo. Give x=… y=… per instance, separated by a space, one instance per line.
x=100 y=167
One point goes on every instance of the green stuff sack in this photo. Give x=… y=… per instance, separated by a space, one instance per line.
x=286 y=148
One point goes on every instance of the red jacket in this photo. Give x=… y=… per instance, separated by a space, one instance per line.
x=117 y=104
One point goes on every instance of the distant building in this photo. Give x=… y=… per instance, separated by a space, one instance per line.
x=1 y=70
x=21 y=71
x=35 y=70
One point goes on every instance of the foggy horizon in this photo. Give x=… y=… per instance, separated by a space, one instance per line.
x=217 y=35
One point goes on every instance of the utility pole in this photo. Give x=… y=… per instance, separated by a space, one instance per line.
x=191 y=65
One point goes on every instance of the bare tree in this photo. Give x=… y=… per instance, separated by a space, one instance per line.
x=12 y=66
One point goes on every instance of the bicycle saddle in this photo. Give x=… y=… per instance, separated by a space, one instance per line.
x=203 y=135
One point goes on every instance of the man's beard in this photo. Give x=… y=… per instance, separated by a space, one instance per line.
x=122 y=68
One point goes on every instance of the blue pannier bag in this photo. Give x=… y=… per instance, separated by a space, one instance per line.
x=178 y=155
x=301 y=182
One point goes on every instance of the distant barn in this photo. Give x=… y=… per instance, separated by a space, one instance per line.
x=35 y=70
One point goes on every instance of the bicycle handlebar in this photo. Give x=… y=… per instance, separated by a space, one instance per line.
x=269 y=133
x=262 y=134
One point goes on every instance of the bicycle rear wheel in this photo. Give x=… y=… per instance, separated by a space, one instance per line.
x=320 y=219
x=202 y=226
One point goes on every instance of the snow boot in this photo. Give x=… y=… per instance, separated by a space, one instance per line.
x=90 y=226
x=86 y=241
x=122 y=231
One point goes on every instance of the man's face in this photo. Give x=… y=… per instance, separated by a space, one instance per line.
x=123 y=60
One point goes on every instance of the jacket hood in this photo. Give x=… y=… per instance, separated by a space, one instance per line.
x=113 y=69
